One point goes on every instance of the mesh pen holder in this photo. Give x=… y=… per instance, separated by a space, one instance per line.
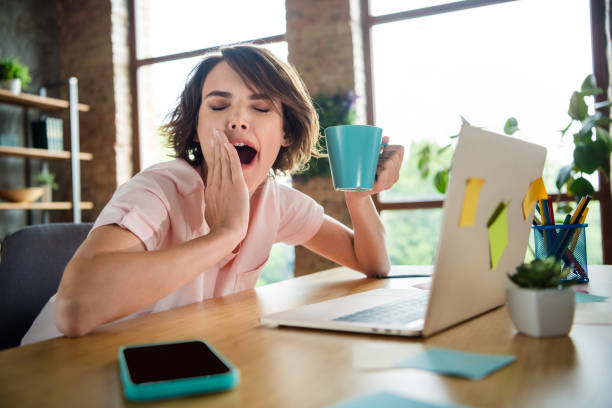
x=569 y=240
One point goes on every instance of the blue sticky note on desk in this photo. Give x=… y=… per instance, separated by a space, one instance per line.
x=389 y=400
x=470 y=365
x=582 y=297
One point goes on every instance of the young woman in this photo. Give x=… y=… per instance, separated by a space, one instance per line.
x=202 y=225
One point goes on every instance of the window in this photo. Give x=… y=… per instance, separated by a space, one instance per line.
x=484 y=63
x=171 y=27
x=171 y=38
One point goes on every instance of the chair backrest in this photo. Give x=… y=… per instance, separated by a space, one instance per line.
x=32 y=262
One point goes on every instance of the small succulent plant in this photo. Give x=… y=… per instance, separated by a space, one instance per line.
x=542 y=274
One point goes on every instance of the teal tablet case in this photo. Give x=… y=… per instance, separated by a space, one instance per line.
x=179 y=387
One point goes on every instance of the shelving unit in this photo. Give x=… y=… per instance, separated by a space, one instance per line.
x=46 y=104
x=45 y=154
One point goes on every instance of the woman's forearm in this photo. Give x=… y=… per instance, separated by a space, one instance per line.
x=100 y=286
x=369 y=235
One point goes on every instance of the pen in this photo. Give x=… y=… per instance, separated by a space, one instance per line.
x=546 y=221
x=550 y=210
x=577 y=233
x=584 y=201
x=562 y=236
x=537 y=220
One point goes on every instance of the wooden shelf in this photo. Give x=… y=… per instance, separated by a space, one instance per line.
x=39 y=102
x=57 y=205
x=40 y=153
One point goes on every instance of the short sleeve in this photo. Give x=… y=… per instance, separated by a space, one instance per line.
x=300 y=216
x=140 y=206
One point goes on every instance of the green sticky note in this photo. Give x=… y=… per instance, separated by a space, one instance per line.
x=498 y=234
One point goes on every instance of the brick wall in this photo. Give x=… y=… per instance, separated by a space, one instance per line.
x=123 y=98
x=94 y=48
x=324 y=39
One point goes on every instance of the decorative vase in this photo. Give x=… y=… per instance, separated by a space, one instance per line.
x=542 y=312
x=13 y=85
x=47 y=196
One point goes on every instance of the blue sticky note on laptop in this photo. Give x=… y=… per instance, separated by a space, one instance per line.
x=582 y=297
x=389 y=400
x=470 y=365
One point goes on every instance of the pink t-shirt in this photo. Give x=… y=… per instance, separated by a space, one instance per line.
x=164 y=206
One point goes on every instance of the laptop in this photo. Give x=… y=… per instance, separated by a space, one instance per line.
x=464 y=282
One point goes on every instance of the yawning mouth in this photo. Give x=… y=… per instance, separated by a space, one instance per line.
x=246 y=153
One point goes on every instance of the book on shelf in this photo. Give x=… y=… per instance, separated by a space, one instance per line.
x=48 y=133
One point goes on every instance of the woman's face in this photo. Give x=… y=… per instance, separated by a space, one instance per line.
x=251 y=122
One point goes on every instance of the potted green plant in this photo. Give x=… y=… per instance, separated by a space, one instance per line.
x=47 y=181
x=540 y=299
x=592 y=142
x=13 y=75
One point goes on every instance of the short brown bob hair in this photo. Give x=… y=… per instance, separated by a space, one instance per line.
x=264 y=72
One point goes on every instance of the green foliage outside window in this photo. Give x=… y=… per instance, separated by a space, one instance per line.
x=592 y=145
x=592 y=142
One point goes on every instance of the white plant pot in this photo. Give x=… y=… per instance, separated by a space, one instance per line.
x=13 y=85
x=543 y=312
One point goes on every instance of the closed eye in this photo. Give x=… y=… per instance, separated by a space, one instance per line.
x=264 y=110
x=218 y=108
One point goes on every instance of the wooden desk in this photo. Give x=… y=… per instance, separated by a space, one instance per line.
x=307 y=368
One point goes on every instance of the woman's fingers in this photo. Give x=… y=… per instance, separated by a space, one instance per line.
x=224 y=160
x=389 y=163
x=212 y=168
x=234 y=163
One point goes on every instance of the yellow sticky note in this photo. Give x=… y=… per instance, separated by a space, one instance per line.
x=498 y=234
x=536 y=192
x=470 y=201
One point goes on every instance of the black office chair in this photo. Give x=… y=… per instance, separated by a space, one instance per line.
x=32 y=262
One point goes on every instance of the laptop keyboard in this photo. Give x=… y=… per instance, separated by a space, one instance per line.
x=398 y=312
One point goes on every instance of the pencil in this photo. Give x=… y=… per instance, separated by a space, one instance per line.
x=584 y=201
x=577 y=233
x=544 y=222
x=550 y=211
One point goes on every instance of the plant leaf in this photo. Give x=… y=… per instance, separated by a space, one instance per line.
x=589 y=86
x=589 y=122
x=581 y=187
x=578 y=108
x=564 y=174
x=443 y=149
x=602 y=155
x=586 y=157
x=604 y=135
x=441 y=180
x=511 y=126
x=604 y=122
x=602 y=104
x=564 y=131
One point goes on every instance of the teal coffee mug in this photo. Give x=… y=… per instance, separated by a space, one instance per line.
x=353 y=155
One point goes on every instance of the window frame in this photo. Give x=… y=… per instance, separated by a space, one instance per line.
x=599 y=37
x=137 y=63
